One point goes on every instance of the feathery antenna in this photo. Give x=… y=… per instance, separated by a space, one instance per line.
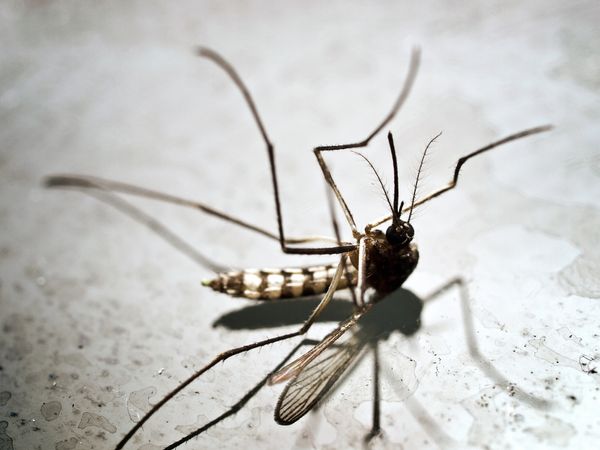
x=387 y=197
x=412 y=203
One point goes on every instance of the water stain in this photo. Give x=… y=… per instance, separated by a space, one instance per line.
x=51 y=410
x=138 y=402
x=19 y=350
x=99 y=396
x=6 y=442
x=400 y=380
x=201 y=420
x=568 y=335
x=553 y=431
x=75 y=360
x=4 y=397
x=547 y=354
x=580 y=278
x=580 y=59
x=67 y=444
x=95 y=420
x=487 y=422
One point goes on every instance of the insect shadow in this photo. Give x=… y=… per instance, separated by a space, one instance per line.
x=401 y=313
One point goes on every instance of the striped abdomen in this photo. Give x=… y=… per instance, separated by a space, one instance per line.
x=271 y=284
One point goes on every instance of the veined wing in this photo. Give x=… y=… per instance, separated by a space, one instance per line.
x=314 y=373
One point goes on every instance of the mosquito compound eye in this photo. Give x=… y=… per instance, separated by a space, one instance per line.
x=400 y=234
x=410 y=231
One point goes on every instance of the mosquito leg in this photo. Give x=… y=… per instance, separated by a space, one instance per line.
x=327 y=297
x=229 y=353
x=245 y=399
x=336 y=229
x=88 y=182
x=408 y=83
x=157 y=227
x=459 y=164
x=361 y=284
x=484 y=364
x=232 y=73
x=376 y=425
x=488 y=147
x=221 y=357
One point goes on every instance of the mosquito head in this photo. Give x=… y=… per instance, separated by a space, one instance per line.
x=400 y=233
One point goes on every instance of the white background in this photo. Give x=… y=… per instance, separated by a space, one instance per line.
x=100 y=317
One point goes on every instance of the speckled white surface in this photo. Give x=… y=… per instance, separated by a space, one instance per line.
x=99 y=316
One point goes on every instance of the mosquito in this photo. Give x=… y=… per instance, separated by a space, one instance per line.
x=376 y=259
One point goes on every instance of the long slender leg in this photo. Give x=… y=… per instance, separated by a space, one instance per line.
x=361 y=285
x=408 y=83
x=157 y=227
x=229 y=353
x=469 y=328
x=459 y=164
x=336 y=231
x=241 y=402
x=376 y=424
x=89 y=182
x=231 y=72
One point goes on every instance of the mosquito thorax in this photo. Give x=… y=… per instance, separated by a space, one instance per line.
x=400 y=233
x=388 y=265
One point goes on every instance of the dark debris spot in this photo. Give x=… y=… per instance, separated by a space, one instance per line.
x=101 y=435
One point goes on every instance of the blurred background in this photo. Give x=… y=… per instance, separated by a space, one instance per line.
x=100 y=316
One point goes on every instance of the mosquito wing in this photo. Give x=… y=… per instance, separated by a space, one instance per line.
x=314 y=373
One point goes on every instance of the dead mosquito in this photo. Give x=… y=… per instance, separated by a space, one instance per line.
x=376 y=259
